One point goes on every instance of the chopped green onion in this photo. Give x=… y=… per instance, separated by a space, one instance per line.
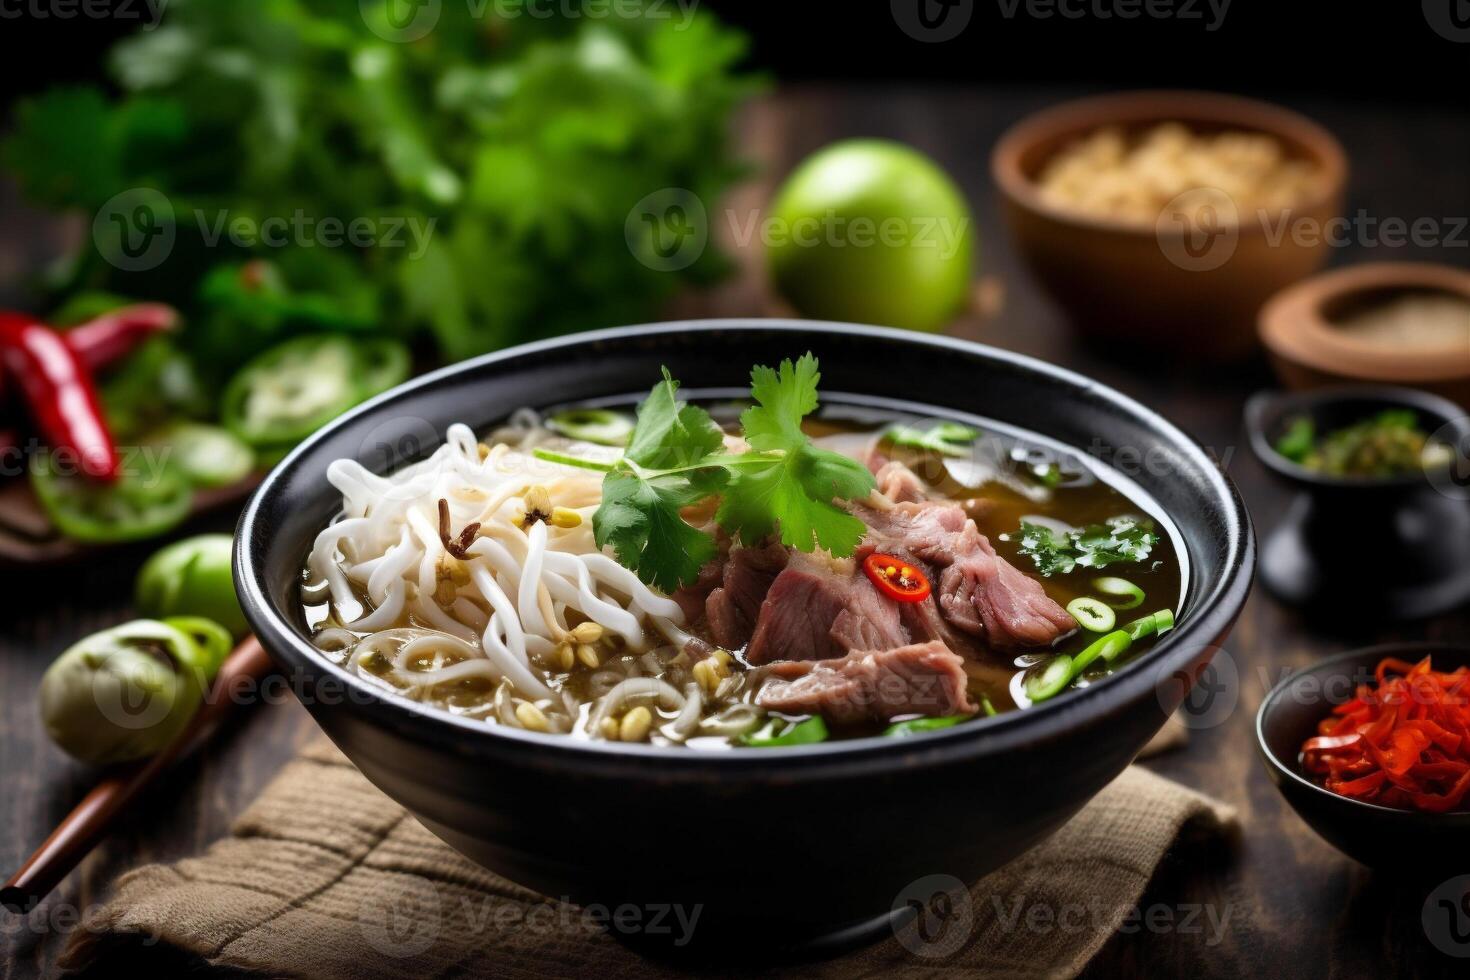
x=777 y=731
x=1300 y=437
x=600 y=425
x=567 y=460
x=987 y=707
x=946 y=438
x=916 y=725
x=1155 y=624
x=1061 y=672
x=1051 y=681
x=1065 y=669
x=1092 y=614
x=1109 y=585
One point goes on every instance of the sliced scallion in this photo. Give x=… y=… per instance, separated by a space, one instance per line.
x=1094 y=616
x=915 y=725
x=1129 y=596
x=600 y=425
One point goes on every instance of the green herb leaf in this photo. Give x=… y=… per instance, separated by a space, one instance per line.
x=777 y=732
x=797 y=490
x=946 y=438
x=1120 y=539
x=1298 y=439
x=675 y=458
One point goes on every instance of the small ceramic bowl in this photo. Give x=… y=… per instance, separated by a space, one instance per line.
x=1378 y=836
x=1158 y=283
x=1384 y=547
x=1300 y=328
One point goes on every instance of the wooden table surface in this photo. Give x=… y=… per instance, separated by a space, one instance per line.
x=1292 y=904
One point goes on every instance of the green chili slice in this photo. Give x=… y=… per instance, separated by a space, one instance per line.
x=293 y=389
x=206 y=455
x=137 y=505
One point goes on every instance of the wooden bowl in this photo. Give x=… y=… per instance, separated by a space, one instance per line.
x=1162 y=284
x=1307 y=351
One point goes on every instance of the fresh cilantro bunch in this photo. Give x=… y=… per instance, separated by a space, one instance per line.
x=491 y=165
x=676 y=458
x=1119 y=539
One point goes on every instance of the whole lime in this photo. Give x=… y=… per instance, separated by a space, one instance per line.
x=871 y=231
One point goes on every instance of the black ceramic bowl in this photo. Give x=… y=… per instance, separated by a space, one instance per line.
x=786 y=845
x=1378 y=836
x=1386 y=547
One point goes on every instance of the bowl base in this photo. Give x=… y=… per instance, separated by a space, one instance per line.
x=1293 y=569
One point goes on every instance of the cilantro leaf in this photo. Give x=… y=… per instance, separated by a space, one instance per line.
x=640 y=519
x=676 y=458
x=1120 y=539
x=670 y=433
x=796 y=491
x=639 y=515
x=946 y=438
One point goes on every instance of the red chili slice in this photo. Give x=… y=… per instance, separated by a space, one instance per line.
x=899 y=580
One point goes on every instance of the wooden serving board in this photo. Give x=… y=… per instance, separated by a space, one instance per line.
x=27 y=537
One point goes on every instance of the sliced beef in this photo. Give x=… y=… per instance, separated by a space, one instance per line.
x=983 y=594
x=732 y=607
x=899 y=483
x=692 y=597
x=818 y=608
x=979 y=592
x=871 y=685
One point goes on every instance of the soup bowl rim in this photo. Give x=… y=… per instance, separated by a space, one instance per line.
x=1208 y=618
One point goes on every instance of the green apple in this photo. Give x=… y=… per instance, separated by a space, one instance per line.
x=871 y=231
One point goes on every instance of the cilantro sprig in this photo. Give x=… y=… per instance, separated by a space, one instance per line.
x=1119 y=539
x=676 y=458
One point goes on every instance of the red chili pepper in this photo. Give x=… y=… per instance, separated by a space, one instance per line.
x=59 y=392
x=899 y=580
x=1404 y=741
x=104 y=339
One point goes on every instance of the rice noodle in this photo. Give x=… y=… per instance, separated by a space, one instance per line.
x=429 y=606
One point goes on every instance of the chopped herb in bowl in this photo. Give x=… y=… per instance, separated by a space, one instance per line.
x=1390 y=443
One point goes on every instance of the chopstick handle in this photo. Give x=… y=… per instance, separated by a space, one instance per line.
x=80 y=831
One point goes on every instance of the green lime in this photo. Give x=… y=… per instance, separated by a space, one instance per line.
x=875 y=232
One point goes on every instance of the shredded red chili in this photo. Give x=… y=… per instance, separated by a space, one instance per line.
x=897 y=579
x=1402 y=742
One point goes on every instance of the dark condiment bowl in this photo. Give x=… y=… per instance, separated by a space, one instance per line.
x=771 y=848
x=1400 y=841
x=1383 y=547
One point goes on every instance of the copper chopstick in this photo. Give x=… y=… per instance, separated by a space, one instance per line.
x=91 y=819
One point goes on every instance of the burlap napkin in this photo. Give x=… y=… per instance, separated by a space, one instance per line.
x=325 y=877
